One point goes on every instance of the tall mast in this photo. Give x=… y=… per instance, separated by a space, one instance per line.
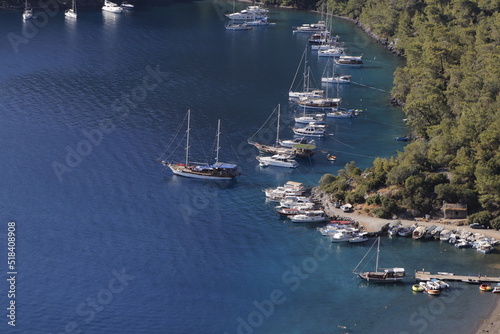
x=218 y=147
x=378 y=252
x=187 y=137
x=278 y=127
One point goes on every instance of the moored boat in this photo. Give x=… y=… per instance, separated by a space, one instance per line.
x=71 y=12
x=215 y=171
x=238 y=26
x=389 y=275
x=127 y=5
x=337 y=79
x=111 y=7
x=28 y=12
x=311 y=27
x=353 y=61
x=312 y=216
x=278 y=160
x=418 y=232
x=311 y=130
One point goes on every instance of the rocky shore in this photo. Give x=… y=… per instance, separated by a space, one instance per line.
x=379 y=225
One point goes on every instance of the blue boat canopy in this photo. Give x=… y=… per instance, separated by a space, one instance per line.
x=225 y=165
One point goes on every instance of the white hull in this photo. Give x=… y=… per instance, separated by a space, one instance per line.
x=111 y=7
x=28 y=14
x=309 y=120
x=308 y=219
x=308 y=133
x=339 y=114
x=270 y=161
x=70 y=13
x=337 y=80
x=186 y=173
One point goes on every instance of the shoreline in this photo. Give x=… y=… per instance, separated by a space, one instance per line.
x=490 y=323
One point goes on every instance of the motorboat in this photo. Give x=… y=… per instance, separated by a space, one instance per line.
x=71 y=12
x=341 y=236
x=294 y=201
x=340 y=113
x=354 y=61
x=484 y=247
x=462 y=244
x=418 y=232
x=331 y=157
x=311 y=27
x=127 y=5
x=405 y=231
x=417 y=288
x=337 y=79
x=250 y=13
x=260 y=22
x=332 y=52
x=313 y=216
x=358 y=239
x=112 y=7
x=312 y=130
x=308 y=119
x=301 y=143
x=322 y=37
x=296 y=210
x=277 y=160
x=445 y=235
x=290 y=188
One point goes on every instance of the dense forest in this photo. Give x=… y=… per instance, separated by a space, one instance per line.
x=449 y=88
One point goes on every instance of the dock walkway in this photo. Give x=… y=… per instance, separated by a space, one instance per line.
x=425 y=276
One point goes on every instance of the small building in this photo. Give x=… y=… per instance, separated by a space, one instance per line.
x=454 y=211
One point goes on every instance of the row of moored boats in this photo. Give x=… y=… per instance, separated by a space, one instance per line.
x=108 y=6
x=296 y=205
x=460 y=238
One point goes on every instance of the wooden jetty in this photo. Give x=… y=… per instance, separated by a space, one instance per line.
x=476 y=279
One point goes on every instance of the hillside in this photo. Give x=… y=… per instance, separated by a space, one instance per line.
x=449 y=88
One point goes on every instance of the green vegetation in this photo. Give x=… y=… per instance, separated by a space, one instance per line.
x=449 y=88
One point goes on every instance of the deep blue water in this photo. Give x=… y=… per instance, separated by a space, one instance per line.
x=110 y=242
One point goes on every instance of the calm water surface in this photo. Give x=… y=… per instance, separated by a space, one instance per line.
x=110 y=242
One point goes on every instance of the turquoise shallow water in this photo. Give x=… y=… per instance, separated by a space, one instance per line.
x=113 y=243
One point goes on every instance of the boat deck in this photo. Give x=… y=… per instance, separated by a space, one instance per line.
x=425 y=276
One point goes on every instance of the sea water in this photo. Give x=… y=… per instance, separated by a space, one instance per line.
x=109 y=241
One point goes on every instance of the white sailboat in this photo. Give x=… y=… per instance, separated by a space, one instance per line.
x=28 y=12
x=112 y=7
x=301 y=151
x=216 y=171
x=71 y=12
x=380 y=275
x=306 y=92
